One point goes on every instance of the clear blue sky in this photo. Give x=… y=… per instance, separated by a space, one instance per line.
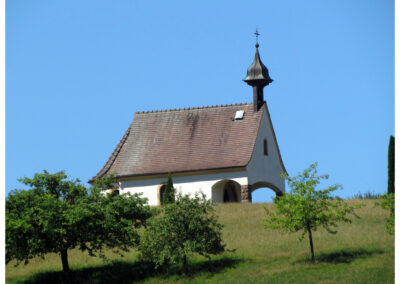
x=77 y=71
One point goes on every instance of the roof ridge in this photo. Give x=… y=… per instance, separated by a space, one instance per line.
x=190 y=108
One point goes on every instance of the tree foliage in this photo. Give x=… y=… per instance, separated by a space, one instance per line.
x=169 y=192
x=185 y=227
x=56 y=215
x=391 y=162
x=387 y=203
x=305 y=209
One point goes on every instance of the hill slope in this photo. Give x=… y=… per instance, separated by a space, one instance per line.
x=361 y=252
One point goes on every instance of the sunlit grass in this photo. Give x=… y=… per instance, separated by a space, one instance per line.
x=361 y=252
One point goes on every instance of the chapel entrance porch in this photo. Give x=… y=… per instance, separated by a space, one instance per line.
x=226 y=191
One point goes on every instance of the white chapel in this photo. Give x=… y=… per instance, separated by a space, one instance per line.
x=224 y=151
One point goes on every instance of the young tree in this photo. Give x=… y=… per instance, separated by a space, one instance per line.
x=387 y=202
x=184 y=227
x=391 y=166
x=305 y=209
x=56 y=215
x=169 y=192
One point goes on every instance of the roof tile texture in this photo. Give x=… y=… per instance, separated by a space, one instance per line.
x=185 y=140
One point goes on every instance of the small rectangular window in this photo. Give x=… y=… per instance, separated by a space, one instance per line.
x=265 y=147
x=239 y=115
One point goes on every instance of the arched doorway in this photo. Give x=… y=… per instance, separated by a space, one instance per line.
x=226 y=191
x=115 y=192
x=264 y=192
x=263 y=195
x=230 y=192
x=161 y=194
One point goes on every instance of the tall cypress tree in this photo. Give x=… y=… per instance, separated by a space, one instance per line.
x=391 y=165
x=169 y=192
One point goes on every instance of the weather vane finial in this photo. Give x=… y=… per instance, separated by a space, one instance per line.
x=257 y=34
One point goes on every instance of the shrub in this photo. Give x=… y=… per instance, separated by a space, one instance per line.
x=185 y=227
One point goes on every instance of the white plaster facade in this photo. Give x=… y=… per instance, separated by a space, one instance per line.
x=265 y=170
x=205 y=183
x=261 y=171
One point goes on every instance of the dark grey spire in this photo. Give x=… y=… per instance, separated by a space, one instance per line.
x=257 y=73
x=258 y=78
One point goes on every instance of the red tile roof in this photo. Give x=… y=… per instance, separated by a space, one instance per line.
x=185 y=140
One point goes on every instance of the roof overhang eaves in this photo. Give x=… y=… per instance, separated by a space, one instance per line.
x=181 y=173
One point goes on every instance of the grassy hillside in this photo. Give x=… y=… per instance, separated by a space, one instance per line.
x=361 y=252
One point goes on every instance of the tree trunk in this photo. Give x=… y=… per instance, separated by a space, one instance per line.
x=184 y=264
x=311 y=243
x=64 y=260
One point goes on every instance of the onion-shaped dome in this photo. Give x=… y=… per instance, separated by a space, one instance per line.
x=257 y=73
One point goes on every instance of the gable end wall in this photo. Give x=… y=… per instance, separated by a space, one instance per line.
x=268 y=168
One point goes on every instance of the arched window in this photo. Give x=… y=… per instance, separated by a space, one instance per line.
x=265 y=147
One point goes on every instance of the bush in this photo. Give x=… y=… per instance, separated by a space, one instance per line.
x=185 y=227
x=366 y=195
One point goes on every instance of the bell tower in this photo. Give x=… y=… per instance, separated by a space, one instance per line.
x=258 y=78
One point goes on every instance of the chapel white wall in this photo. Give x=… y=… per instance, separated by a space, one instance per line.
x=263 y=168
x=185 y=185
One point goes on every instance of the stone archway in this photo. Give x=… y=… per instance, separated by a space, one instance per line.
x=260 y=184
x=225 y=191
x=248 y=189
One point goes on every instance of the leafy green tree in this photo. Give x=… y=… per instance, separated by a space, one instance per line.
x=391 y=166
x=387 y=202
x=56 y=215
x=305 y=209
x=169 y=192
x=185 y=227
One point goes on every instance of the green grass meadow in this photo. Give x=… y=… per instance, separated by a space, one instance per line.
x=361 y=252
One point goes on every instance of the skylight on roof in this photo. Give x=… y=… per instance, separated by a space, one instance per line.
x=239 y=115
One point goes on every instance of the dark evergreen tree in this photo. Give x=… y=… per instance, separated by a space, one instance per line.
x=391 y=165
x=169 y=192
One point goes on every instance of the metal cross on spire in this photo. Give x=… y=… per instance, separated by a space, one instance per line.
x=257 y=34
